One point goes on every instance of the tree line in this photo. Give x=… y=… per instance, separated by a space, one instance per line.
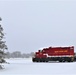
x=18 y=54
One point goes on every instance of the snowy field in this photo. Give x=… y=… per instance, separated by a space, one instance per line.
x=27 y=67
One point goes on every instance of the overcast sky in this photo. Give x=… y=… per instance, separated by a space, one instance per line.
x=31 y=25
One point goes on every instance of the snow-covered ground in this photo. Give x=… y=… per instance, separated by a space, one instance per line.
x=27 y=67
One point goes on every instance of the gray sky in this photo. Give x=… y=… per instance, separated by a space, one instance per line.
x=31 y=25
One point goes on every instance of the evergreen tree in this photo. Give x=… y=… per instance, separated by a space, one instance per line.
x=3 y=46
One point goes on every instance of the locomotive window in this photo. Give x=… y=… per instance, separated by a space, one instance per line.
x=40 y=50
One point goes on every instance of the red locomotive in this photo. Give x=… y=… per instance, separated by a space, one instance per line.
x=60 y=54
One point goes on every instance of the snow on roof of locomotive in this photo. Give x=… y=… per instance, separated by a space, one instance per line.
x=54 y=47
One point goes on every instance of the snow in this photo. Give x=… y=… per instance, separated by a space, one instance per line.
x=27 y=67
x=53 y=47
